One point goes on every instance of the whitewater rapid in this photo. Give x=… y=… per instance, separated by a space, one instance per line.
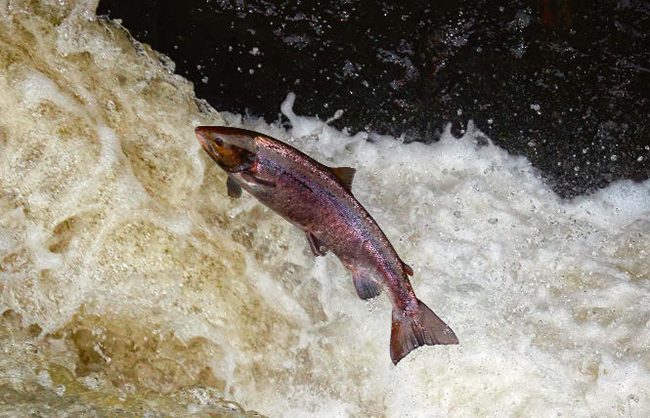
x=130 y=282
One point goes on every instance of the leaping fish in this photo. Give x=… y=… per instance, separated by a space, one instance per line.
x=318 y=200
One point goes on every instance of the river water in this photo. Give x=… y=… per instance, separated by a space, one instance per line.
x=132 y=285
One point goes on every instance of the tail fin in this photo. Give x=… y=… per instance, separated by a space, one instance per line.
x=422 y=328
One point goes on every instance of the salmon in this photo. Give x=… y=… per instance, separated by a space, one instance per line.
x=318 y=200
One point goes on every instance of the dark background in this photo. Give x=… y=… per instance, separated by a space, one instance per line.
x=565 y=83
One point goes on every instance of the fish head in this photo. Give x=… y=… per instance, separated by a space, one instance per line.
x=233 y=149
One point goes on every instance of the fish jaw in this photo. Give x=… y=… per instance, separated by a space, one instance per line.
x=232 y=149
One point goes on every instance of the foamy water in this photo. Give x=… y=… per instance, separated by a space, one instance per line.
x=130 y=283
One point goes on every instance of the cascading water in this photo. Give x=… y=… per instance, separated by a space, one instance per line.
x=130 y=284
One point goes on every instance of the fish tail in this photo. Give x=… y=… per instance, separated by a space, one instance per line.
x=411 y=331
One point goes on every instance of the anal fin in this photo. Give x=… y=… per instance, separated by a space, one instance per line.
x=407 y=269
x=367 y=287
x=316 y=246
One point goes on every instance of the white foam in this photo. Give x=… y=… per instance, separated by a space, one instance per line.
x=6 y=242
x=621 y=203
x=36 y=88
x=110 y=150
x=43 y=259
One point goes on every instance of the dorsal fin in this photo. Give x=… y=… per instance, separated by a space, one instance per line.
x=345 y=174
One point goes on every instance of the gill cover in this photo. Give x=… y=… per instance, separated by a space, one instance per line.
x=233 y=149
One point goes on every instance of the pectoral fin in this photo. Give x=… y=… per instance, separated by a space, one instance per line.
x=317 y=247
x=251 y=178
x=367 y=287
x=234 y=189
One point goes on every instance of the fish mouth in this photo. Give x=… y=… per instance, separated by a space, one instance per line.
x=233 y=149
